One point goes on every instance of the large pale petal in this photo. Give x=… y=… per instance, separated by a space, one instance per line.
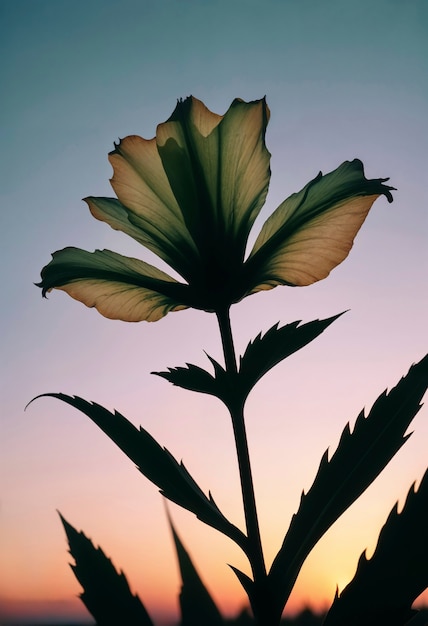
x=201 y=117
x=118 y=287
x=142 y=186
x=218 y=168
x=313 y=231
x=245 y=163
x=119 y=217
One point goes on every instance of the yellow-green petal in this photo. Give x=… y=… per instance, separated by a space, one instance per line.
x=119 y=217
x=313 y=231
x=218 y=169
x=142 y=186
x=118 y=287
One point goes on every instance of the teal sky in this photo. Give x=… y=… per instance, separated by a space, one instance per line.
x=343 y=79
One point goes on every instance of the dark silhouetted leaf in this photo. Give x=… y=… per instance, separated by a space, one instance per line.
x=197 y=606
x=106 y=593
x=385 y=587
x=157 y=464
x=274 y=346
x=258 y=593
x=246 y=581
x=358 y=460
x=260 y=356
x=196 y=378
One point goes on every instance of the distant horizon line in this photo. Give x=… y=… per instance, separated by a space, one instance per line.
x=86 y=622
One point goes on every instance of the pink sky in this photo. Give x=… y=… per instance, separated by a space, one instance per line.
x=339 y=86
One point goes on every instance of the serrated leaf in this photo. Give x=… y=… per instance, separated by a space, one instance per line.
x=357 y=461
x=106 y=593
x=195 y=378
x=223 y=385
x=385 y=586
x=157 y=464
x=261 y=354
x=267 y=350
x=197 y=606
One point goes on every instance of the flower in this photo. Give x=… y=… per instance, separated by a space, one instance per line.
x=191 y=195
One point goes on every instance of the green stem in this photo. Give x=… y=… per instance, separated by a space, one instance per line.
x=247 y=486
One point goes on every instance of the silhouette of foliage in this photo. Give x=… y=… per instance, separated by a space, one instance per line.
x=357 y=461
x=106 y=593
x=195 y=378
x=197 y=606
x=261 y=354
x=385 y=586
x=156 y=463
x=191 y=196
x=267 y=350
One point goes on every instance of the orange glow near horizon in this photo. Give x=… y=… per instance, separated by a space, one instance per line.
x=119 y=510
x=123 y=513
x=67 y=606
x=332 y=563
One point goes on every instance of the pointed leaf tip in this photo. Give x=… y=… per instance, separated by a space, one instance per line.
x=106 y=593
x=261 y=355
x=195 y=378
x=157 y=464
x=197 y=605
x=277 y=343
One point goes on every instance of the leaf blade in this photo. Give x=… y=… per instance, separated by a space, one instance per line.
x=261 y=355
x=197 y=605
x=357 y=461
x=106 y=593
x=385 y=586
x=157 y=464
x=267 y=350
x=191 y=377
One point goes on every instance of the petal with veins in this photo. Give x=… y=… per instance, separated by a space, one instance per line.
x=118 y=287
x=218 y=168
x=313 y=231
x=142 y=186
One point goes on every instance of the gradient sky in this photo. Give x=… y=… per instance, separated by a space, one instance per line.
x=343 y=79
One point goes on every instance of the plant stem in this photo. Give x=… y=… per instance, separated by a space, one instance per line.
x=247 y=486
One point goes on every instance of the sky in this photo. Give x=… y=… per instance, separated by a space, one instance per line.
x=343 y=79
